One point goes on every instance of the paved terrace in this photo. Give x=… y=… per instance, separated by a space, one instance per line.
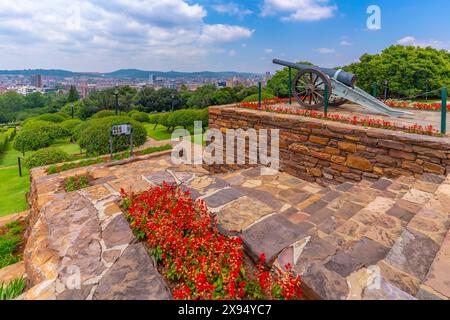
x=384 y=240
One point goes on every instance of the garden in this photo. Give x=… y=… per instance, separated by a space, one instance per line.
x=56 y=138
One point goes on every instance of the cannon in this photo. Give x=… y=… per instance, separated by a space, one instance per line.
x=308 y=87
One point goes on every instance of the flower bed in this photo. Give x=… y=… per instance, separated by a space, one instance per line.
x=199 y=261
x=415 y=105
x=355 y=120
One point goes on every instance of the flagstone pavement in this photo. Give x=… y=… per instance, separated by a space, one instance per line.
x=384 y=240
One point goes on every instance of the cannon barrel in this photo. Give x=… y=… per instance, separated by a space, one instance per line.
x=342 y=76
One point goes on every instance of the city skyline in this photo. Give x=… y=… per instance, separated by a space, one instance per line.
x=207 y=35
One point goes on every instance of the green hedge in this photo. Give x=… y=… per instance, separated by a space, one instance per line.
x=55 y=130
x=186 y=117
x=6 y=135
x=140 y=116
x=95 y=136
x=51 y=117
x=32 y=140
x=45 y=157
x=71 y=125
x=103 y=114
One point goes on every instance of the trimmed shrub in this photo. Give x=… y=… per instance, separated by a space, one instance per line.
x=254 y=97
x=70 y=125
x=186 y=117
x=51 y=117
x=63 y=114
x=31 y=140
x=163 y=119
x=55 y=131
x=45 y=157
x=140 y=116
x=95 y=136
x=103 y=114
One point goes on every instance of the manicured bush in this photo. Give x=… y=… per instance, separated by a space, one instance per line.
x=76 y=132
x=163 y=119
x=63 y=114
x=31 y=140
x=103 y=114
x=54 y=130
x=51 y=117
x=95 y=136
x=153 y=118
x=140 y=116
x=45 y=157
x=187 y=117
x=254 y=97
x=71 y=125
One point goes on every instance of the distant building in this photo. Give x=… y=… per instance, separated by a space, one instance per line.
x=36 y=81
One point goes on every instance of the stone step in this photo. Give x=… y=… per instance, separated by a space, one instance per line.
x=424 y=210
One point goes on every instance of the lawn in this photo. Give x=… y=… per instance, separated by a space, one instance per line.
x=159 y=134
x=13 y=190
x=9 y=157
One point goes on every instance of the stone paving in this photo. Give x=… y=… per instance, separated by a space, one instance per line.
x=369 y=240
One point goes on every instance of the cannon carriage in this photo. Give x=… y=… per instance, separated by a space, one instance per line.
x=313 y=86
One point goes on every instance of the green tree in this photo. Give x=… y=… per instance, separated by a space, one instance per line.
x=202 y=97
x=73 y=94
x=406 y=68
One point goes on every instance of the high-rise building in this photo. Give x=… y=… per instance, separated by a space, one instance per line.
x=36 y=81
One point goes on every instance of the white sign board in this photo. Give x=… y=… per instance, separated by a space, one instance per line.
x=121 y=129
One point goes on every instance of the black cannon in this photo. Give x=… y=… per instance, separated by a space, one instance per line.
x=312 y=83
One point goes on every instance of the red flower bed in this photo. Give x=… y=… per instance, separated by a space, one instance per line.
x=417 y=105
x=355 y=120
x=201 y=262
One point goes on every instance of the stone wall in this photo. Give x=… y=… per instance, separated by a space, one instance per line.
x=331 y=152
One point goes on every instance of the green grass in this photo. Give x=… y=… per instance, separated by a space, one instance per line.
x=65 y=145
x=159 y=134
x=9 y=157
x=12 y=190
x=9 y=243
x=12 y=290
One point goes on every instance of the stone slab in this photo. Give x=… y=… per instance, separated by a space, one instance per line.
x=133 y=277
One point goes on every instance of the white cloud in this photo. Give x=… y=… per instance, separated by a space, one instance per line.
x=100 y=33
x=224 y=33
x=412 y=41
x=268 y=51
x=325 y=50
x=299 y=10
x=232 y=53
x=232 y=9
x=345 y=43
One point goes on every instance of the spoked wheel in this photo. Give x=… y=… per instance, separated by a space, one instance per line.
x=309 y=88
x=336 y=101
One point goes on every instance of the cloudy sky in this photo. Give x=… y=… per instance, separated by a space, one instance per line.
x=196 y=35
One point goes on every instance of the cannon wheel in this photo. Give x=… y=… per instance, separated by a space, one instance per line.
x=336 y=101
x=309 y=88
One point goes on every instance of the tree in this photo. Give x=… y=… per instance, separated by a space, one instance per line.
x=202 y=97
x=223 y=96
x=127 y=98
x=73 y=94
x=406 y=68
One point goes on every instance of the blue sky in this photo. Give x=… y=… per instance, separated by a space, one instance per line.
x=196 y=35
